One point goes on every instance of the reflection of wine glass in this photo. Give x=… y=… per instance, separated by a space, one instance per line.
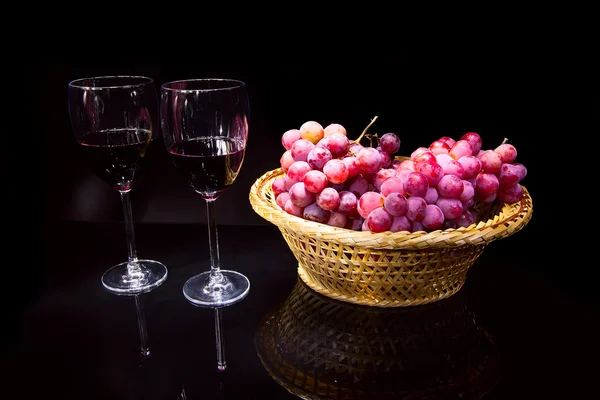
x=320 y=348
x=205 y=130
x=114 y=119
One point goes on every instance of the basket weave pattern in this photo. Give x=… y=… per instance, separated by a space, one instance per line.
x=388 y=269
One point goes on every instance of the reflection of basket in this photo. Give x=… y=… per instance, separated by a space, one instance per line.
x=319 y=348
x=387 y=269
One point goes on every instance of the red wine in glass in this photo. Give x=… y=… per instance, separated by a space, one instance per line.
x=209 y=164
x=118 y=156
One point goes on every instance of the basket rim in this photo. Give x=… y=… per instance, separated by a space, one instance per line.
x=511 y=218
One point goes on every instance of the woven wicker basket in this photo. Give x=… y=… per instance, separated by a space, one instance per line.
x=319 y=348
x=388 y=269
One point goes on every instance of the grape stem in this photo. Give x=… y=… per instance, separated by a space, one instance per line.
x=365 y=130
x=504 y=141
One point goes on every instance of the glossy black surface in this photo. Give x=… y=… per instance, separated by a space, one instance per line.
x=516 y=330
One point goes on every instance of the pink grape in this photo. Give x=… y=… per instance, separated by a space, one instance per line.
x=451 y=207
x=508 y=152
x=509 y=174
x=368 y=202
x=358 y=185
x=391 y=185
x=338 y=144
x=379 y=220
x=432 y=195
x=434 y=217
x=454 y=168
x=406 y=164
x=368 y=159
x=317 y=157
x=439 y=147
x=336 y=171
x=522 y=171
x=337 y=219
x=474 y=140
x=461 y=148
x=416 y=184
x=443 y=158
x=400 y=224
x=403 y=173
x=288 y=182
x=348 y=203
x=282 y=198
x=448 y=140
x=386 y=159
x=313 y=212
x=418 y=151
x=351 y=166
x=490 y=161
x=301 y=148
x=293 y=209
x=286 y=160
x=511 y=194
x=365 y=226
x=278 y=186
x=465 y=219
x=396 y=204
x=416 y=208
x=432 y=171
x=335 y=128
x=486 y=184
x=300 y=196
x=315 y=181
x=450 y=186
x=424 y=157
x=323 y=143
x=289 y=137
x=354 y=148
x=312 y=131
x=381 y=176
x=471 y=166
x=297 y=170
x=328 y=199
x=390 y=143
x=468 y=192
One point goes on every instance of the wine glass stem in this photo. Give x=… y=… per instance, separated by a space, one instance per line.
x=142 y=326
x=132 y=265
x=213 y=240
x=221 y=364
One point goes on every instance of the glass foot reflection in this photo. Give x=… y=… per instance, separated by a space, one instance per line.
x=219 y=289
x=122 y=279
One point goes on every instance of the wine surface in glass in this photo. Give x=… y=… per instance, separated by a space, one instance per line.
x=209 y=164
x=118 y=156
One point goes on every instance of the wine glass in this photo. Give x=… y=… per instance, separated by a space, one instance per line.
x=205 y=130
x=114 y=119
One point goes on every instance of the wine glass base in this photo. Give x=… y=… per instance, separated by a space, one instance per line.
x=151 y=275
x=205 y=291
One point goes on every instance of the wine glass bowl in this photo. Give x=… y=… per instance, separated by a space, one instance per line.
x=205 y=130
x=115 y=122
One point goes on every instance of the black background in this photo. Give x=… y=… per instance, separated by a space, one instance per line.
x=503 y=89
x=515 y=89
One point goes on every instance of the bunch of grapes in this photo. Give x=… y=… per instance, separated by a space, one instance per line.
x=336 y=181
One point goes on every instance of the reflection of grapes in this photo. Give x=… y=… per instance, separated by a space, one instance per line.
x=333 y=180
